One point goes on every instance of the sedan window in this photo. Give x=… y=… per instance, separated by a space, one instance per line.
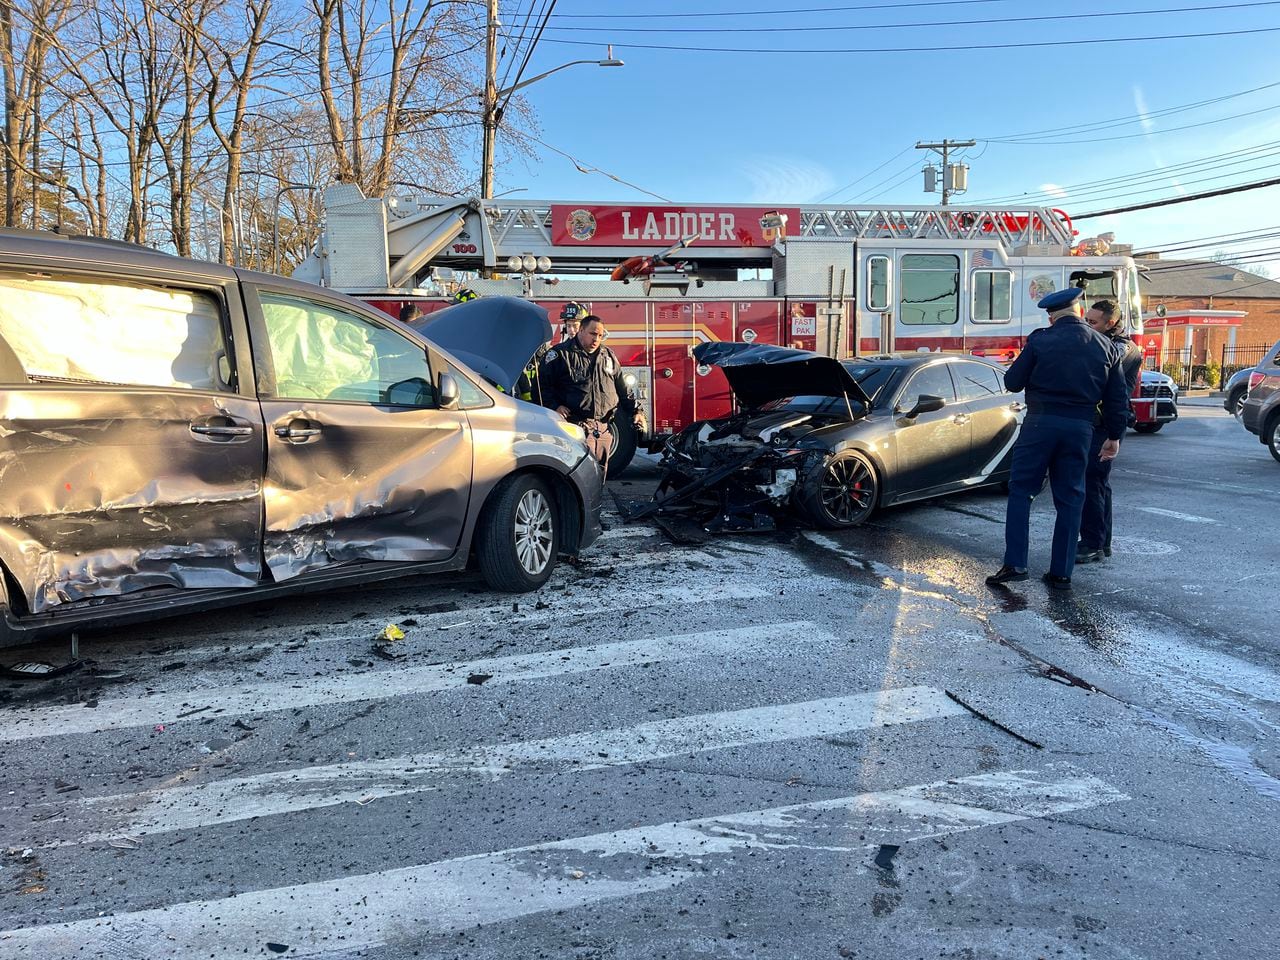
x=324 y=353
x=976 y=381
x=932 y=381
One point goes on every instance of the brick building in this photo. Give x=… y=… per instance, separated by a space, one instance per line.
x=1206 y=285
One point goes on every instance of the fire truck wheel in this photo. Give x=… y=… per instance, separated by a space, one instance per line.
x=840 y=492
x=623 y=450
x=518 y=535
x=1148 y=427
x=1273 y=437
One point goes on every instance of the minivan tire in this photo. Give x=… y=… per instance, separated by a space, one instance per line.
x=518 y=535
x=1273 y=436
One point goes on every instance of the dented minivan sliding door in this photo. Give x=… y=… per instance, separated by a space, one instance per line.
x=128 y=459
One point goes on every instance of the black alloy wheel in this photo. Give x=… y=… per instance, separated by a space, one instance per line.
x=845 y=491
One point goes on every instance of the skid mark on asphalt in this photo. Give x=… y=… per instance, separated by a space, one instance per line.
x=273 y=696
x=287 y=791
x=366 y=911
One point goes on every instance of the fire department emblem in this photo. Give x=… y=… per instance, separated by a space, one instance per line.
x=581 y=225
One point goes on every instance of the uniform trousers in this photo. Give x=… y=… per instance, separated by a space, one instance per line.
x=1058 y=447
x=1095 y=521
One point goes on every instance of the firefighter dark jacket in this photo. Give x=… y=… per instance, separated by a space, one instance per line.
x=589 y=384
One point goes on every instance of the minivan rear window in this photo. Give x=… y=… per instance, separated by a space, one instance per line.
x=71 y=330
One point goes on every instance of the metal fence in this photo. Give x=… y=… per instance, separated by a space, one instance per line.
x=1214 y=372
x=1237 y=358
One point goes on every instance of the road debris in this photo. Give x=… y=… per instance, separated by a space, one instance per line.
x=38 y=670
x=479 y=678
x=885 y=855
x=991 y=720
x=391 y=633
x=125 y=842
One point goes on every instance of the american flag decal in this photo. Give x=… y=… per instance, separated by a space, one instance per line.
x=983 y=258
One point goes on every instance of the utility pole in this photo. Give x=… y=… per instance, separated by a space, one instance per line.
x=948 y=177
x=490 y=101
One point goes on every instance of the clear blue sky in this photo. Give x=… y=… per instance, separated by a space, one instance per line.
x=790 y=120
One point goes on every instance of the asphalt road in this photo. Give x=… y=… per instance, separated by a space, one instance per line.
x=794 y=745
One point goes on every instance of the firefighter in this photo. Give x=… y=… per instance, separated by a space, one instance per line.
x=1095 y=521
x=581 y=379
x=527 y=385
x=1065 y=370
x=571 y=319
x=465 y=294
x=410 y=312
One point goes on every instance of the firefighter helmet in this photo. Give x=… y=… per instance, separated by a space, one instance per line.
x=465 y=294
x=574 y=311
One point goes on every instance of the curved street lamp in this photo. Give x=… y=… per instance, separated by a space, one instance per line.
x=493 y=115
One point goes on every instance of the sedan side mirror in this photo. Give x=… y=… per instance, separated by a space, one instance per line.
x=449 y=392
x=925 y=404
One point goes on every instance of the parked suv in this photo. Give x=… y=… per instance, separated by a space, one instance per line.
x=177 y=434
x=1237 y=387
x=1261 y=411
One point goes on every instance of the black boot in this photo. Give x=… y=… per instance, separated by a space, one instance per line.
x=1006 y=574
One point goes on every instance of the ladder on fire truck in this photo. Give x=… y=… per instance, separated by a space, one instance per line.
x=375 y=243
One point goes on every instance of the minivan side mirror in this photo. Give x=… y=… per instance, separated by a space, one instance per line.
x=449 y=392
x=925 y=404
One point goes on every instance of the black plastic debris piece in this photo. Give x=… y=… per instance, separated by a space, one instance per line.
x=994 y=722
x=388 y=653
x=39 y=670
x=277 y=947
x=176 y=665
x=479 y=678
x=885 y=855
x=241 y=725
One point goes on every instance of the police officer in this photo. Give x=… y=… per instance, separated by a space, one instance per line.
x=581 y=379
x=1095 y=521
x=1065 y=369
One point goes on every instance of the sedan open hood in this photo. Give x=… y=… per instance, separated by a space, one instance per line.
x=495 y=336
x=760 y=372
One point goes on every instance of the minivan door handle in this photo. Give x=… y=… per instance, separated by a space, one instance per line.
x=297 y=431
x=223 y=429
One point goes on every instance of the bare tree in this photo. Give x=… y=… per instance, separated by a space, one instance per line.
x=27 y=28
x=395 y=71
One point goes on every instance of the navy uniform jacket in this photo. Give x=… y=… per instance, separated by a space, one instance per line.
x=1068 y=368
x=589 y=384
x=1129 y=355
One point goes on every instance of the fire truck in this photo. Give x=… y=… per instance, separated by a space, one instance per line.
x=840 y=280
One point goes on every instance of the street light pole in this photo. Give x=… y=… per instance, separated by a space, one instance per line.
x=490 y=100
x=275 y=221
x=493 y=116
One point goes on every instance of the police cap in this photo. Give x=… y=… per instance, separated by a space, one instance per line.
x=1060 y=299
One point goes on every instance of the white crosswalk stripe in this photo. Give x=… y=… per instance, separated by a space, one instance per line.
x=381 y=685
x=368 y=910
x=289 y=791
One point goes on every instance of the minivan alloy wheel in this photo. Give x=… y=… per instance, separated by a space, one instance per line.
x=533 y=532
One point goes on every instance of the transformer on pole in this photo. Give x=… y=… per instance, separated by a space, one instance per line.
x=955 y=176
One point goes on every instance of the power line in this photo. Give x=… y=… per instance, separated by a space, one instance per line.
x=1240 y=188
x=854 y=183
x=775 y=12
x=830 y=28
x=1145 y=133
x=963 y=47
x=584 y=167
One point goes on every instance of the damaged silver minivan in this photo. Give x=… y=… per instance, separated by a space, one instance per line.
x=177 y=434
